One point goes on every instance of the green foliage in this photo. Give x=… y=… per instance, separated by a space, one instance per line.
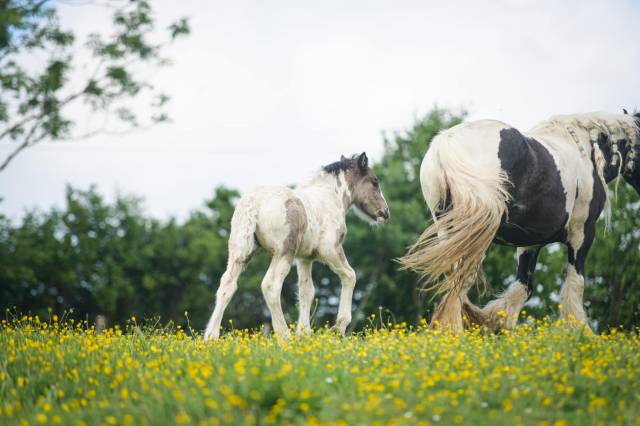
x=109 y=258
x=612 y=291
x=36 y=94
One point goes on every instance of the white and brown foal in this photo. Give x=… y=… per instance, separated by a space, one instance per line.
x=306 y=224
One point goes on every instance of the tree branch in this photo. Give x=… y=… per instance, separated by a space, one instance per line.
x=105 y=131
x=38 y=116
x=28 y=141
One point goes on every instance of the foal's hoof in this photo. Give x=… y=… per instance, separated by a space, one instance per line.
x=209 y=337
x=302 y=332
x=338 y=330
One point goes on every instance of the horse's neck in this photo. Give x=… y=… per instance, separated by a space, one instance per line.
x=326 y=190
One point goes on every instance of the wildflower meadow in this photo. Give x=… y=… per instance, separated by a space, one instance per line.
x=64 y=372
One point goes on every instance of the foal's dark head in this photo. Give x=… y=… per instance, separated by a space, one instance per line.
x=364 y=186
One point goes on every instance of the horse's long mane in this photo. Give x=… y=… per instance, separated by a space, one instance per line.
x=609 y=124
x=613 y=126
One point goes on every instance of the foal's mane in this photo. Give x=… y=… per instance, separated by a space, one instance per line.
x=341 y=166
x=609 y=124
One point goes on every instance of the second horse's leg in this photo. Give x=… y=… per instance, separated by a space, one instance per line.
x=503 y=312
x=571 y=294
x=448 y=313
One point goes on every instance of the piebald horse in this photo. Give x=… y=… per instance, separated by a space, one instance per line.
x=306 y=224
x=485 y=181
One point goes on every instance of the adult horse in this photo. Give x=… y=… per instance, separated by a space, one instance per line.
x=486 y=181
x=307 y=223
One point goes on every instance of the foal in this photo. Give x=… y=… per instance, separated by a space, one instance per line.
x=308 y=224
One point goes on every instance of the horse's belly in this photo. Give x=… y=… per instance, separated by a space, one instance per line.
x=533 y=225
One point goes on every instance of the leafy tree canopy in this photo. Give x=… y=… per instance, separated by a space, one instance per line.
x=45 y=70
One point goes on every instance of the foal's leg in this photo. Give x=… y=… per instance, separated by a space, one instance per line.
x=573 y=288
x=226 y=290
x=339 y=264
x=271 y=288
x=503 y=312
x=305 y=295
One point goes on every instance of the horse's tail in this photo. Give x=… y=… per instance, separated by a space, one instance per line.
x=468 y=200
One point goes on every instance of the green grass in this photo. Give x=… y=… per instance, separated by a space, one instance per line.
x=539 y=374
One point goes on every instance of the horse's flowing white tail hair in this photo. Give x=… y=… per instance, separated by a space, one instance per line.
x=469 y=200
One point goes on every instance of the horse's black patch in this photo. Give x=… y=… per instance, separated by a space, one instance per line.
x=536 y=211
x=526 y=267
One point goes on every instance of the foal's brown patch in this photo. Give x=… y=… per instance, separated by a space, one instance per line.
x=297 y=221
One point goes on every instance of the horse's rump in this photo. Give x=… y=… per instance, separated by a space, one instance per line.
x=468 y=196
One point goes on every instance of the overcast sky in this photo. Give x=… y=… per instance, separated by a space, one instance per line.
x=265 y=92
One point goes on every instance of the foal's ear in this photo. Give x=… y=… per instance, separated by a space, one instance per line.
x=363 y=162
x=625 y=111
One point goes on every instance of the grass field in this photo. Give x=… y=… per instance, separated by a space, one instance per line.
x=540 y=374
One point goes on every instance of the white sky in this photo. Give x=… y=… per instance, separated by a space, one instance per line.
x=267 y=92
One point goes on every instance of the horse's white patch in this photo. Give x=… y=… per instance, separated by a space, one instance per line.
x=571 y=296
x=365 y=217
x=504 y=311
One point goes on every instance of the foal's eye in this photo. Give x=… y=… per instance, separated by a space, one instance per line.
x=375 y=182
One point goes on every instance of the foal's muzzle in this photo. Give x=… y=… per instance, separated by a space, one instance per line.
x=384 y=214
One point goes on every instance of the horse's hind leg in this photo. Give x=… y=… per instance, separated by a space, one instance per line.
x=226 y=290
x=271 y=288
x=503 y=312
x=228 y=286
x=448 y=313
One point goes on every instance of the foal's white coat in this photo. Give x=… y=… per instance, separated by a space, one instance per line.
x=265 y=219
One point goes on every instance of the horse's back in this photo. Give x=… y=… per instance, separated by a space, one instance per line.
x=467 y=145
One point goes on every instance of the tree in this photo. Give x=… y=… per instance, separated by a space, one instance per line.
x=36 y=98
